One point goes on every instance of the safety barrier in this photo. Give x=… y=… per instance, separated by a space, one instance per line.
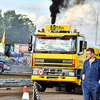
x=25 y=94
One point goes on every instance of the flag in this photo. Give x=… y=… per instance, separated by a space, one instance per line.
x=3 y=38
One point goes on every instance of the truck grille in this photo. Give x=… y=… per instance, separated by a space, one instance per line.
x=51 y=65
x=44 y=62
x=53 y=60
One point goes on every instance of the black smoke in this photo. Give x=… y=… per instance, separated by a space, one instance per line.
x=59 y=4
x=54 y=9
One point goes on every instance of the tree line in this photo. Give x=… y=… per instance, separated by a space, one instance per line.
x=17 y=27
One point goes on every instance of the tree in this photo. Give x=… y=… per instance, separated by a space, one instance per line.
x=1 y=25
x=17 y=27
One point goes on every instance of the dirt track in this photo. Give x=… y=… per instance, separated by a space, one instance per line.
x=16 y=94
x=13 y=92
x=17 y=75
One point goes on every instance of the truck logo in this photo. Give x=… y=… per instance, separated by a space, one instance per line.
x=54 y=27
x=81 y=61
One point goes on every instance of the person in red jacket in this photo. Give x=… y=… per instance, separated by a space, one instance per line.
x=28 y=61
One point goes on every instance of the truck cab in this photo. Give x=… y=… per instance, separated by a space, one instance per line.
x=57 y=57
x=4 y=57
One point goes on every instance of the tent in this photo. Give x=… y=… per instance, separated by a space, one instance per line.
x=14 y=54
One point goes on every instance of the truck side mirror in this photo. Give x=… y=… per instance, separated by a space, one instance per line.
x=30 y=47
x=83 y=45
x=30 y=39
x=30 y=43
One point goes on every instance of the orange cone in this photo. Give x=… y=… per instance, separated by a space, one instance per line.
x=25 y=94
x=25 y=89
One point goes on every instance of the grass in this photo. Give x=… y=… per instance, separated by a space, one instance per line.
x=25 y=83
x=15 y=79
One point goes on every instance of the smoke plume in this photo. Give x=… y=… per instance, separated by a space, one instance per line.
x=54 y=9
x=59 y=4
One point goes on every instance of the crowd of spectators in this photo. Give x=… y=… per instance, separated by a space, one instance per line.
x=20 y=60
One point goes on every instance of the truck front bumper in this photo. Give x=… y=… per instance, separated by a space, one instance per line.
x=74 y=80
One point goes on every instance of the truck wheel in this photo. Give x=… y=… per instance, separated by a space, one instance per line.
x=1 y=70
x=42 y=86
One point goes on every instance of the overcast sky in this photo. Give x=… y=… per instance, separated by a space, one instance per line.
x=82 y=17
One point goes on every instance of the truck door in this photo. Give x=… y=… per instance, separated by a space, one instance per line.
x=81 y=55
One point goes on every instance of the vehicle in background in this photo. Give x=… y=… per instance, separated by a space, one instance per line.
x=5 y=57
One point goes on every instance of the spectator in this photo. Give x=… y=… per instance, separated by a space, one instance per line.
x=23 y=61
x=17 y=61
x=28 y=61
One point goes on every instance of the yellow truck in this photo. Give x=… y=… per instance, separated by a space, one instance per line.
x=57 y=57
x=5 y=54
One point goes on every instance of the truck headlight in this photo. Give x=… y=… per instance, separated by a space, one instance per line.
x=71 y=73
x=35 y=72
x=39 y=60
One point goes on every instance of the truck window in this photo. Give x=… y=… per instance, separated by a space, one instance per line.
x=55 y=44
x=79 y=39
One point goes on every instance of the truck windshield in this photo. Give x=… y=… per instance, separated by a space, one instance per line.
x=55 y=45
x=2 y=50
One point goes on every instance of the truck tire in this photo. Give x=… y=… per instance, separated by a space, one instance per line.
x=42 y=86
x=1 y=70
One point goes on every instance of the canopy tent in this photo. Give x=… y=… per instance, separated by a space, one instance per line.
x=14 y=54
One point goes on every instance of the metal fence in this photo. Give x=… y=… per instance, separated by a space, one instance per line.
x=36 y=95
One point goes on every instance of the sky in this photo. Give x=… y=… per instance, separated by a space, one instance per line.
x=83 y=17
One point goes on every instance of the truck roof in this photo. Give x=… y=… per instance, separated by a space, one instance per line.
x=56 y=34
x=58 y=31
